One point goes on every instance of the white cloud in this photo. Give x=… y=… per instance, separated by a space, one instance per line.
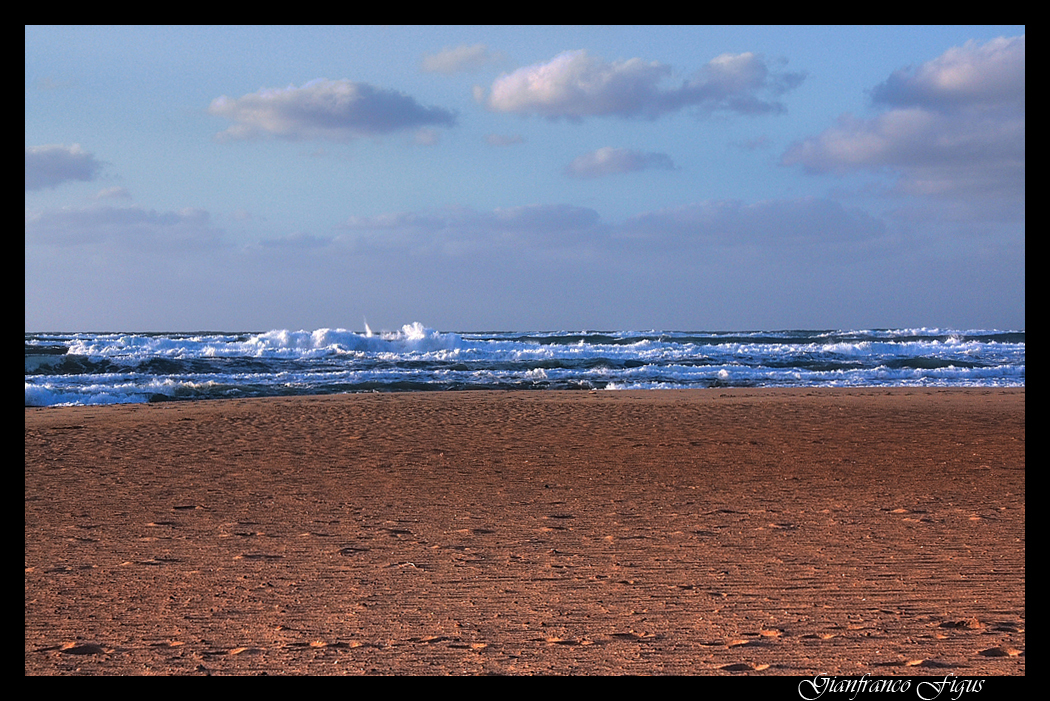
x=114 y=193
x=558 y=224
x=966 y=76
x=461 y=229
x=124 y=227
x=336 y=110
x=805 y=263
x=50 y=166
x=397 y=220
x=458 y=59
x=734 y=82
x=576 y=85
x=609 y=161
x=806 y=224
x=299 y=240
x=807 y=221
x=955 y=130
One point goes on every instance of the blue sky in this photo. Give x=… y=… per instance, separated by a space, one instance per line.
x=512 y=178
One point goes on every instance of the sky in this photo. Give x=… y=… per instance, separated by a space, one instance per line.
x=524 y=178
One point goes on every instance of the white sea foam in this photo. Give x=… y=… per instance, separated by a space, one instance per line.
x=121 y=392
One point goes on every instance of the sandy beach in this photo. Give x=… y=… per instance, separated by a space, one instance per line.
x=794 y=531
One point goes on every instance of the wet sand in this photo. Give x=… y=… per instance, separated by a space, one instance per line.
x=793 y=531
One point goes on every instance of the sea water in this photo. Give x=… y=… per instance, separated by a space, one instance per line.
x=110 y=368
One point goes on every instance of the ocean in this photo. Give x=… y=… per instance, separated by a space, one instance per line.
x=116 y=368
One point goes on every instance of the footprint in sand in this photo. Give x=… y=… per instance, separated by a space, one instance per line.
x=82 y=649
x=469 y=646
x=744 y=667
x=568 y=641
x=158 y=561
x=258 y=556
x=318 y=644
x=930 y=664
x=1009 y=627
x=1001 y=652
x=963 y=624
x=637 y=637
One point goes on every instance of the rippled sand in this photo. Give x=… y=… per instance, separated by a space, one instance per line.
x=683 y=532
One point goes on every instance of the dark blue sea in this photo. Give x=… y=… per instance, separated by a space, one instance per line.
x=113 y=368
